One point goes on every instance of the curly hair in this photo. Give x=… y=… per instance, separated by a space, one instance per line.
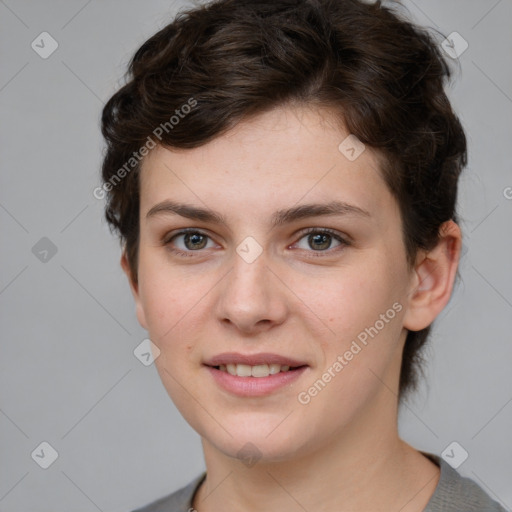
x=222 y=62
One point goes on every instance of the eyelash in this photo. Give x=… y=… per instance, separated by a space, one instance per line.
x=343 y=241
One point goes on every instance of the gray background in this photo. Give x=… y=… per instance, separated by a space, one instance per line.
x=68 y=373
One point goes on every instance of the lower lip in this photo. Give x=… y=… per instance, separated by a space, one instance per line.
x=254 y=386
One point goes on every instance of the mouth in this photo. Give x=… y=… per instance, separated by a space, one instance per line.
x=253 y=365
x=257 y=371
x=254 y=375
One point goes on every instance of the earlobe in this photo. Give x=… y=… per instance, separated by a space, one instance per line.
x=139 y=309
x=433 y=278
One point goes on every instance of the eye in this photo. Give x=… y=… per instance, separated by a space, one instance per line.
x=314 y=240
x=320 y=240
x=188 y=241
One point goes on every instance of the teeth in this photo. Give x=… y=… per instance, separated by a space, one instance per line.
x=243 y=370
x=274 y=368
x=259 y=370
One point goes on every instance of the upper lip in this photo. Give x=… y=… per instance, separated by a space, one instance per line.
x=252 y=359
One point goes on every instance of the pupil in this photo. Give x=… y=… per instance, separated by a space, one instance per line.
x=322 y=239
x=195 y=239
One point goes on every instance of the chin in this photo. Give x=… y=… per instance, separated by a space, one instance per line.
x=265 y=440
x=256 y=450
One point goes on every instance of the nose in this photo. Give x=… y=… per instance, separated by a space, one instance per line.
x=251 y=297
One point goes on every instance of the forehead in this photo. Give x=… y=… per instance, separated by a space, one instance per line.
x=285 y=156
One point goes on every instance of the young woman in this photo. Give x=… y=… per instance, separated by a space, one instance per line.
x=283 y=176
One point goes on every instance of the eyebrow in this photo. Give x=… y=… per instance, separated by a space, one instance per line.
x=279 y=218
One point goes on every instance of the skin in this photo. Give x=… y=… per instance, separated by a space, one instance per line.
x=341 y=451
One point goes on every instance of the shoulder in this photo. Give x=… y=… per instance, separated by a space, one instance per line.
x=457 y=493
x=178 y=501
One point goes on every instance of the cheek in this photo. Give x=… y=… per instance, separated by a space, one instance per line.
x=349 y=301
x=365 y=314
x=169 y=297
x=362 y=308
x=173 y=303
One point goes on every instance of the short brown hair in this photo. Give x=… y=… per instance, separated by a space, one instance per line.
x=232 y=59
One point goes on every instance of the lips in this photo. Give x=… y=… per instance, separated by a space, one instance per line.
x=254 y=375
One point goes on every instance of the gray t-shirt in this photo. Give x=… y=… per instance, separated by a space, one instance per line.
x=453 y=493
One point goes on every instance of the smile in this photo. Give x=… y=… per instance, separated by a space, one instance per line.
x=259 y=370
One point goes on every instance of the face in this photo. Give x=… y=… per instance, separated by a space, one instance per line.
x=268 y=247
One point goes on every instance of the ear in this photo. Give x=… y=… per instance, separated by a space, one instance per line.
x=433 y=278
x=141 y=317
